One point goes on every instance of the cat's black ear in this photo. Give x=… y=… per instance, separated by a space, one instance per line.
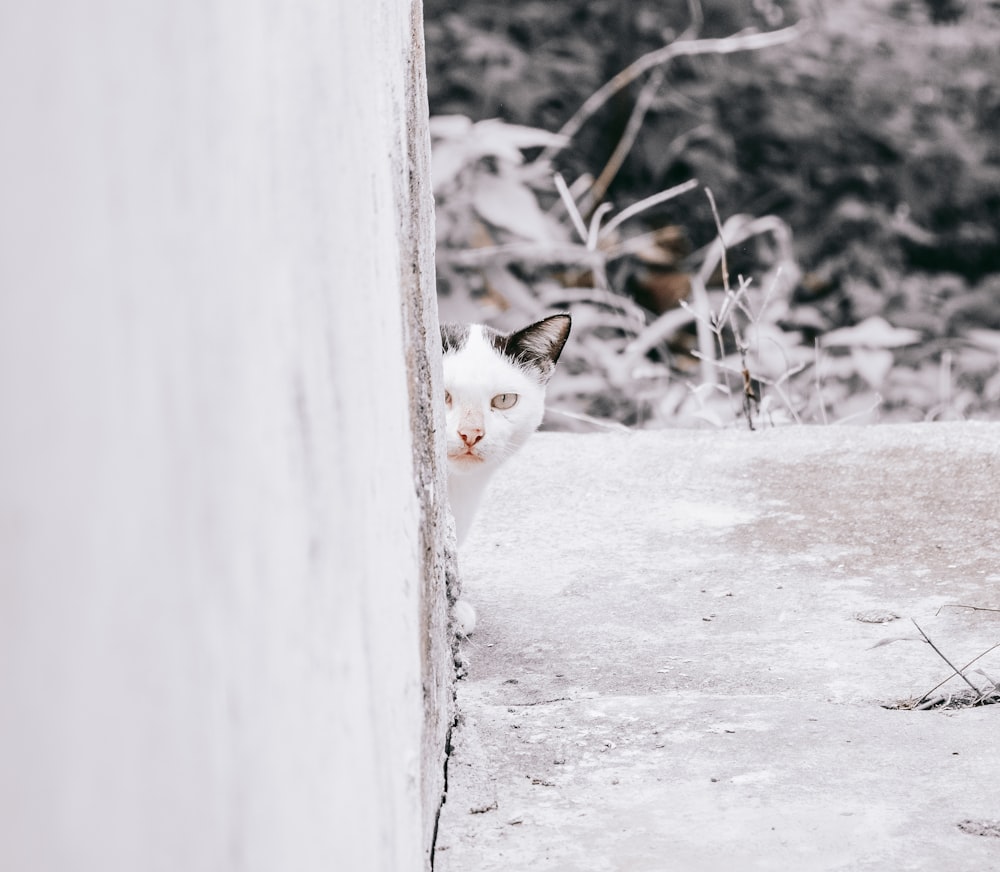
x=540 y=344
x=453 y=337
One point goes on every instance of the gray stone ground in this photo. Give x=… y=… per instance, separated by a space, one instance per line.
x=674 y=666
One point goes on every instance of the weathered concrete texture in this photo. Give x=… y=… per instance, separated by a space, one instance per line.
x=674 y=666
x=422 y=347
x=220 y=546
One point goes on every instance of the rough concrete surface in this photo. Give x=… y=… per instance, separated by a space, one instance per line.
x=674 y=665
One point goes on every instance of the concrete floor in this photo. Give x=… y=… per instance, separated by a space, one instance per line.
x=674 y=665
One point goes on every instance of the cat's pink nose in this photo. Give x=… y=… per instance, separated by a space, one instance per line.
x=470 y=435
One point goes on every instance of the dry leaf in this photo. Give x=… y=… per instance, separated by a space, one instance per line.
x=506 y=202
x=874 y=332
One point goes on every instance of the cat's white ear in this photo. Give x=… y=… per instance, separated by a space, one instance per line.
x=541 y=343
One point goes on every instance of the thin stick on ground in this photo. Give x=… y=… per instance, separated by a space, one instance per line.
x=940 y=654
x=961 y=606
x=967 y=665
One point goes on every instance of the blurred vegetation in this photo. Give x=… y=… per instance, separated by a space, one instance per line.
x=856 y=171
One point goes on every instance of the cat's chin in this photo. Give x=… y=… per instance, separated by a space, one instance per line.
x=465 y=462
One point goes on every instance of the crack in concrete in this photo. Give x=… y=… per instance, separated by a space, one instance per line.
x=448 y=750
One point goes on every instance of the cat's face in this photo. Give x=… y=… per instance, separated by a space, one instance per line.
x=495 y=388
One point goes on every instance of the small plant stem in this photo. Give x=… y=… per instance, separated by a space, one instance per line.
x=642 y=105
x=697 y=19
x=819 y=384
x=854 y=416
x=954 y=668
x=776 y=387
x=967 y=665
x=595 y=224
x=704 y=328
x=945 y=380
x=728 y=313
x=647 y=203
x=574 y=213
x=722 y=240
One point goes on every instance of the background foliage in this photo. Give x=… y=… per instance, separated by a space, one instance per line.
x=856 y=171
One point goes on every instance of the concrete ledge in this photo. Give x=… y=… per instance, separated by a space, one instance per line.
x=674 y=663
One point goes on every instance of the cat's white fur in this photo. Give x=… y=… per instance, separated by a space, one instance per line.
x=475 y=375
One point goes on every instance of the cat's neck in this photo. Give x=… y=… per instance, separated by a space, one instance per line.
x=465 y=492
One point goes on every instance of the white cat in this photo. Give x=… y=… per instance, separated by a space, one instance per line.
x=495 y=399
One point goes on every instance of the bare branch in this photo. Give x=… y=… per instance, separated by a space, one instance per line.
x=648 y=203
x=642 y=105
x=744 y=41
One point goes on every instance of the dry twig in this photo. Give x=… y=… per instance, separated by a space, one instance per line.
x=744 y=41
x=967 y=665
x=961 y=606
x=940 y=654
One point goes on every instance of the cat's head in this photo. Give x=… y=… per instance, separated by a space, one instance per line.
x=495 y=388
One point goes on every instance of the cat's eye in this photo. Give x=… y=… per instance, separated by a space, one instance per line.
x=447 y=398
x=504 y=401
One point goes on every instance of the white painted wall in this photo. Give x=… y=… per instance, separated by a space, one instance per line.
x=210 y=567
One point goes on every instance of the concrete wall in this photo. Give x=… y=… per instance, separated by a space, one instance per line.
x=216 y=572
